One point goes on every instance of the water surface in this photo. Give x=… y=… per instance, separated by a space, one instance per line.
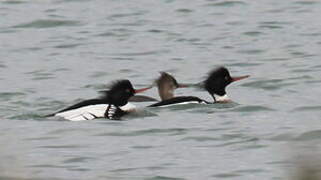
x=57 y=52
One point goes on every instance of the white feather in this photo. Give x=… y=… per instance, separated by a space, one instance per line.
x=84 y=113
x=224 y=98
x=129 y=107
x=182 y=103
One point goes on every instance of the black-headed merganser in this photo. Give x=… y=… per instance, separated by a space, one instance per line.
x=112 y=105
x=215 y=84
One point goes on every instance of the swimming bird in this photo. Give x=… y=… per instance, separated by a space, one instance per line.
x=215 y=84
x=112 y=105
x=166 y=85
x=217 y=81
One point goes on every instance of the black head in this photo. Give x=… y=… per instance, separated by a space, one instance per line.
x=218 y=80
x=120 y=91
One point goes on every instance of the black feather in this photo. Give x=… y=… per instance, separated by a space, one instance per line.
x=217 y=81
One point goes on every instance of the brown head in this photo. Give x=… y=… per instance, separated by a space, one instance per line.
x=166 y=85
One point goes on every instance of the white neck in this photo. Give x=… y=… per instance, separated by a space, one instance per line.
x=129 y=107
x=223 y=98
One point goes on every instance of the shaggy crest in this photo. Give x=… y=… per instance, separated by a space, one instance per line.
x=117 y=86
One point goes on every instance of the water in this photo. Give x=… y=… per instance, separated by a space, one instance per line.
x=56 y=53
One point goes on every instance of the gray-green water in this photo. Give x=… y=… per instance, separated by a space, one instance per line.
x=57 y=52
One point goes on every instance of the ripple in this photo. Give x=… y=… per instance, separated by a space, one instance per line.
x=200 y=138
x=140 y=53
x=276 y=22
x=302 y=54
x=139 y=168
x=7 y=96
x=270 y=26
x=242 y=141
x=51 y=166
x=253 y=33
x=313 y=82
x=226 y=175
x=217 y=129
x=79 y=169
x=63 y=146
x=308 y=108
x=282 y=137
x=99 y=74
x=106 y=34
x=277 y=59
x=121 y=33
x=48 y=23
x=316 y=34
x=155 y=31
x=311 y=135
x=13 y=2
x=164 y=178
x=183 y=10
x=124 y=15
x=271 y=84
x=250 y=171
x=40 y=75
x=77 y=160
x=122 y=58
x=68 y=130
x=95 y=86
x=251 y=51
x=273 y=24
x=306 y=2
x=24 y=178
x=68 y=46
x=227 y=3
x=245 y=64
x=171 y=132
x=293 y=46
x=317 y=67
x=252 y=109
x=142 y=147
x=252 y=146
x=280 y=162
x=61 y=70
x=27 y=115
x=41 y=138
x=8 y=31
x=191 y=40
x=300 y=70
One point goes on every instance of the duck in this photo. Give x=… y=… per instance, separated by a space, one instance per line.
x=215 y=84
x=166 y=85
x=113 y=104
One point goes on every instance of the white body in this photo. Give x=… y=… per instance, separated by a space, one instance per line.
x=224 y=98
x=91 y=112
x=182 y=103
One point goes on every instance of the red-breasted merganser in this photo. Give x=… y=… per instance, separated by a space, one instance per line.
x=166 y=85
x=215 y=84
x=112 y=105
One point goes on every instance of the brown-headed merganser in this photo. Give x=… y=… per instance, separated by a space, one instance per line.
x=166 y=85
x=112 y=105
x=215 y=84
